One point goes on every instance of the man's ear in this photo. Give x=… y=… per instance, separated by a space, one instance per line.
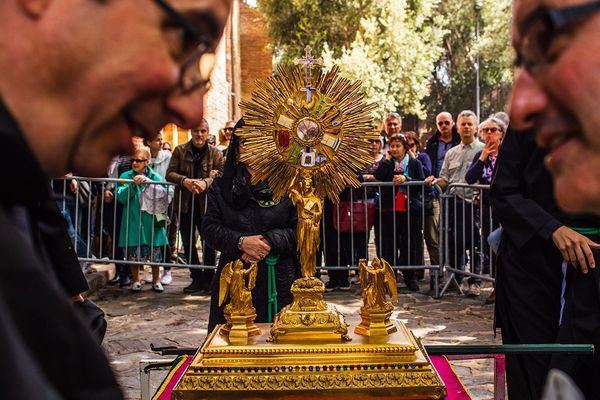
x=34 y=8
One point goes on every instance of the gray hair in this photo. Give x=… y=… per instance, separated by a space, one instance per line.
x=468 y=113
x=394 y=115
x=502 y=116
x=495 y=120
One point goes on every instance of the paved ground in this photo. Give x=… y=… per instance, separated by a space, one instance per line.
x=172 y=318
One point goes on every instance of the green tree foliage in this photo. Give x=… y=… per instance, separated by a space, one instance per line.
x=453 y=83
x=415 y=56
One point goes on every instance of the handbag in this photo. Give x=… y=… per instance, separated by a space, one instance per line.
x=354 y=216
x=401 y=197
x=400 y=203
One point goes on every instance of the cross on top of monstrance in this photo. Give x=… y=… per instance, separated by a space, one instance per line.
x=308 y=62
x=308 y=147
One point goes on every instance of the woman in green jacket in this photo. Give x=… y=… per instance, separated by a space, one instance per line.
x=143 y=228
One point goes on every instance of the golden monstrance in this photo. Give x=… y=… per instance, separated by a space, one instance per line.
x=307 y=133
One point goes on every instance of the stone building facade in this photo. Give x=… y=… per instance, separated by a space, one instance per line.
x=242 y=57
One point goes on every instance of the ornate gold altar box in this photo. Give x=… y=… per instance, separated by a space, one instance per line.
x=395 y=366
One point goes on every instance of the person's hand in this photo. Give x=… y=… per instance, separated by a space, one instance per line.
x=388 y=155
x=139 y=179
x=255 y=248
x=201 y=185
x=430 y=180
x=73 y=186
x=575 y=248
x=108 y=196
x=368 y=178
x=490 y=148
x=77 y=298
x=190 y=185
x=398 y=179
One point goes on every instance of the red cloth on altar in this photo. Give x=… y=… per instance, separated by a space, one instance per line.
x=455 y=388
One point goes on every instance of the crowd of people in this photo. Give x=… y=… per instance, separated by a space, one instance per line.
x=402 y=217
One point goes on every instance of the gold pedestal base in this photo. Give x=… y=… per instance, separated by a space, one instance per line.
x=374 y=323
x=239 y=328
x=397 y=366
x=309 y=318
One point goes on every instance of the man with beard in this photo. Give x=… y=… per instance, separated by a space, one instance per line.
x=77 y=81
x=555 y=94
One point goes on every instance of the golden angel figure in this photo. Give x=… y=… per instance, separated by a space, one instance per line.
x=377 y=280
x=310 y=209
x=233 y=282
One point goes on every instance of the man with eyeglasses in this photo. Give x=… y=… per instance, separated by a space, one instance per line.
x=78 y=79
x=444 y=138
x=556 y=94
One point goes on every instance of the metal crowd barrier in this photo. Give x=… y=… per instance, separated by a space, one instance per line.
x=466 y=222
x=93 y=220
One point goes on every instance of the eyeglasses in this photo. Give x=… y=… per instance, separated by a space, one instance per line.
x=139 y=160
x=228 y=129
x=493 y=129
x=447 y=123
x=540 y=30
x=411 y=144
x=196 y=70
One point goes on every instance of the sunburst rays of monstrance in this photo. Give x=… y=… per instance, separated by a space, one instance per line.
x=307 y=133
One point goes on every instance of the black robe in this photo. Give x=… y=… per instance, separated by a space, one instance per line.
x=529 y=276
x=53 y=353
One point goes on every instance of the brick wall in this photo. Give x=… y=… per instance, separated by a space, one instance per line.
x=256 y=58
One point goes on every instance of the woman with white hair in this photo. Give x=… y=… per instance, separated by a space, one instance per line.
x=481 y=172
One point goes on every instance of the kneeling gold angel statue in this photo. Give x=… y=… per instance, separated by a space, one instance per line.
x=233 y=282
x=377 y=280
x=238 y=283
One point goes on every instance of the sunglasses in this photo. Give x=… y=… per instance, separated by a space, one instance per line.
x=447 y=123
x=139 y=160
x=493 y=129
x=228 y=129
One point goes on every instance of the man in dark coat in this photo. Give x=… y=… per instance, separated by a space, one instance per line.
x=445 y=137
x=95 y=92
x=556 y=95
x=537 y=239
x=38 y=274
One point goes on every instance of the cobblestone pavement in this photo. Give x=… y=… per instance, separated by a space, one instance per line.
x=173 y=318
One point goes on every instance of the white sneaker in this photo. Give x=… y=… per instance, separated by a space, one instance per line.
x=136 y=287
x=157 y=287
x=166 y=278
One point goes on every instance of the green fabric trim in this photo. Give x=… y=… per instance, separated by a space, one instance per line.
x=586 y=231
x=271 y=287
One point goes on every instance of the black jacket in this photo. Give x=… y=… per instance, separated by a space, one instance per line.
x=431 y=147
x=38 y=272
x=385 y=173
x=529 y=277
x=222 y=228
